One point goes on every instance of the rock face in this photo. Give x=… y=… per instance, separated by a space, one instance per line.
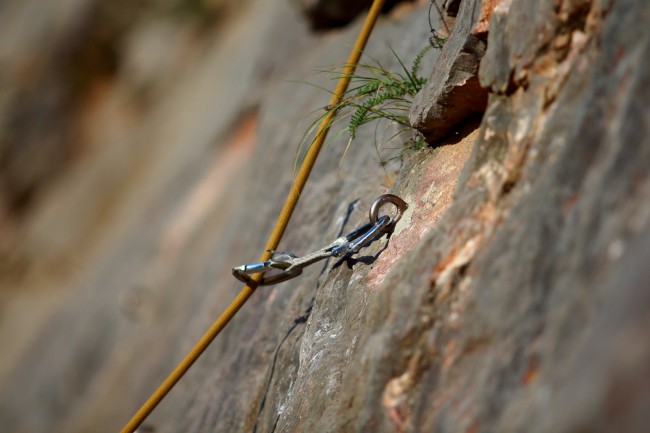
x=453 y=92
x=513 y=295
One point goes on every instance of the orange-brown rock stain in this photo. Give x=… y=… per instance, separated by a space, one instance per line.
x=437 y=177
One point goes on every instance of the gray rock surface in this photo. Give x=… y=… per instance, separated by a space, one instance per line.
x=453 y=92
x=513 y=296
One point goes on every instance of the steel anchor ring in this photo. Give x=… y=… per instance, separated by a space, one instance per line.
x=380 y=202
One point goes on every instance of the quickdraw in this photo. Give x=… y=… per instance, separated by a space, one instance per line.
x=284 y=266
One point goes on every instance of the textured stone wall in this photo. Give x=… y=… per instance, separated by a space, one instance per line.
x=512 y=297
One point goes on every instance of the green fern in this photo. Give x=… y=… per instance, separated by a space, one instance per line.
x=360 y=115
x=385 y=93
x=436 y=41
x=377 y=93
x=418 y=59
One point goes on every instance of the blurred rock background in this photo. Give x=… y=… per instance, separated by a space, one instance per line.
x=146 y=148
x=106 y=107
x=116 y=115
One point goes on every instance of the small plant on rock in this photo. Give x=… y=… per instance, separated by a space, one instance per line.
x=377 y=94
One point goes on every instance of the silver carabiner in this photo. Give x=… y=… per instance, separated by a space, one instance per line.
x=359 y=239
x=378 y=225
x=280 y=262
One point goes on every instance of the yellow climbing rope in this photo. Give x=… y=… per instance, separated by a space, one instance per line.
x=278 y=230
